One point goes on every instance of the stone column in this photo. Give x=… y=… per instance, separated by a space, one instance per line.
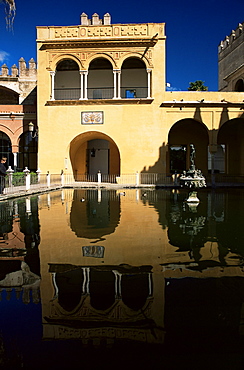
x=52 y=73
x=117 y=79
x=85 y=73
x=15 y=161
x=149 y=83
x=119 y=83
x=115 y=83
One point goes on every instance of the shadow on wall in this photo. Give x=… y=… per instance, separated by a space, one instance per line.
x=160 y=165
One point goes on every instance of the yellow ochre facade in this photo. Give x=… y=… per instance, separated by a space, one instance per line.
x=103 y=106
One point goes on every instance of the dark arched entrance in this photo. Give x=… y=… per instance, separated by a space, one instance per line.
x=92 y=152
x=6 y=149
x=181 y=135
x=231 y=137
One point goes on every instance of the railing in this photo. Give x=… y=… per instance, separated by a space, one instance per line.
x=100 y=93
x=133 y=179
x=67 y=94
x=26 y=181
x=134 y=92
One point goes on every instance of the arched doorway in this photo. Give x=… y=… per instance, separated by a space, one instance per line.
x=181 y=135
x=231 y=137
x=6 y=149
x=92 y=152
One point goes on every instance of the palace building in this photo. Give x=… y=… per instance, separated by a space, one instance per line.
x=103 y=107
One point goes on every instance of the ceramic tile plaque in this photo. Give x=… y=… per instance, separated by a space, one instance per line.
x=91 y=118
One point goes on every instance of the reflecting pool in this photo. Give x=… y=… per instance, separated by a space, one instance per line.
x=99 y=279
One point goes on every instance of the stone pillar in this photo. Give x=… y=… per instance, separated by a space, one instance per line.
x=99 y=177
x=117 y=83
x=52 y=73
x=10 y=176
x=15 y=161
x=149 y=83
x=81 y=86
x=27 y=178
x=85 y=84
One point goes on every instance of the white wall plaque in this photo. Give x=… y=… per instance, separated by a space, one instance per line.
x=91 y=118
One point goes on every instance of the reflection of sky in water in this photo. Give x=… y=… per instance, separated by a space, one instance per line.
x=118 y=272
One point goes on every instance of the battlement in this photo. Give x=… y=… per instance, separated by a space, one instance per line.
x=232 y=38
x=21 y=72
x=95 y=20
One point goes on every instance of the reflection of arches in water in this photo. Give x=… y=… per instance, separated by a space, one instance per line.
x=135 y=290
x=98 y=215
x=103 y=287
x=69 y=285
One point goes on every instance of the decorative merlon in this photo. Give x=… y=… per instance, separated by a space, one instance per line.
x=95 y=20
x=234 y=35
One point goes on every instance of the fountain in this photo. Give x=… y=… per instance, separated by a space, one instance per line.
x=193 y=178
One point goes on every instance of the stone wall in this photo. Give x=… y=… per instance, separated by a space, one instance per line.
x=231 y=60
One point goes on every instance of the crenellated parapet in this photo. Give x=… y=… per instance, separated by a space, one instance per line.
x=21 y=79
x=232 y=38
x=230 y=61
x=22 y=71
x=95 y=20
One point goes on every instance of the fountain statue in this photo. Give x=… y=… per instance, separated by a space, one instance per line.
x=193 y=178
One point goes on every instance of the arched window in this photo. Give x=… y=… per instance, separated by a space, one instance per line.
x=100 y=79
x=27 y=152
x=239 y=85
x=6 y=149
x=67 y=80
x=134 y=79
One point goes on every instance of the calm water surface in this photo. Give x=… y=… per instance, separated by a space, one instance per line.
x=95 y=279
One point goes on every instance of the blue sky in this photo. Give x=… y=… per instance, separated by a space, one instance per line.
x=194 y=30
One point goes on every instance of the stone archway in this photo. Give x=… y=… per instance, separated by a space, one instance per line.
x=181 y=135
x=231 y=137
x=94 y=151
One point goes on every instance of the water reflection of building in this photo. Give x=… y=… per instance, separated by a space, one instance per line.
x=19 y=254
x=103 y=303
x=94 y=213
x=203 y=234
